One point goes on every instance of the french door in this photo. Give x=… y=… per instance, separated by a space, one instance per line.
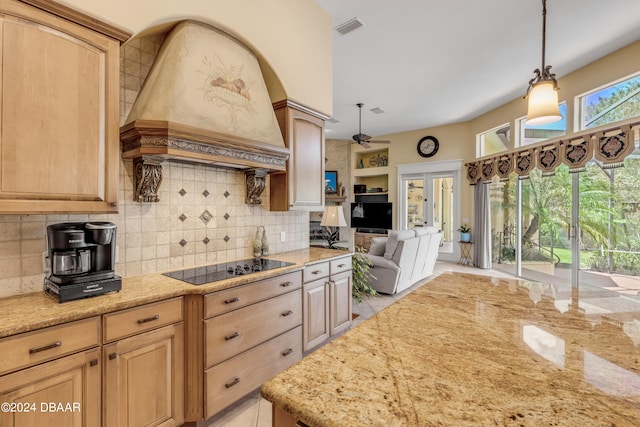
x=429 y=196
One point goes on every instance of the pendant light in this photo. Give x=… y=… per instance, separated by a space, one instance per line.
x=543 y=88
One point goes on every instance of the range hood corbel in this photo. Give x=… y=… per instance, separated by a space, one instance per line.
x=148 y=177
x=255 y=180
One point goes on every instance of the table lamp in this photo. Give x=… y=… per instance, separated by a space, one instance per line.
x=333 y=216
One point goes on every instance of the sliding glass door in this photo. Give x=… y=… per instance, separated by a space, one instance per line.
x=563 y=228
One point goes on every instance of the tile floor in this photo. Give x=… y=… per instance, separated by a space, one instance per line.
x=255 y=411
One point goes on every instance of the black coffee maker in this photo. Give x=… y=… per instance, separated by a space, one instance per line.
x=81 y=260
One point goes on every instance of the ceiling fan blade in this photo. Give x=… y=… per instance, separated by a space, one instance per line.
x=379 y=142
x=364 y=144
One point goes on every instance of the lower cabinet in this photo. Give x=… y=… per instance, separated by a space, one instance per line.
x=63 y=392
x=326 y=302
x=254 y=332
x=144 y=373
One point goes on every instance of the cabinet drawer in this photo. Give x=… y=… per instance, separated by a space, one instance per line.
x=231 y=299
x=231 y=380
x=234 y=332
x=316 y=271
x=30 y=348
x=139 y=319
x=341 y=264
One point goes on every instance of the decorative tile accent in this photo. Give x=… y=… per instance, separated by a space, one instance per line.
x=182 y=192
x=182 y=242
x=227 y=238
x=182 y=217
x=227 y=194
x=206 y=240
x=227 y=216
x=205 y=193
x=206 y=216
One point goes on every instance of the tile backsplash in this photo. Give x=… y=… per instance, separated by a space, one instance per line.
x=201 y=217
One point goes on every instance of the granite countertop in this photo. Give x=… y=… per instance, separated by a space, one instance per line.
x=27 y=312
x=470 y=350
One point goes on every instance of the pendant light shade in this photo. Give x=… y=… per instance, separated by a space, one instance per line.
x=543 y=104
x=543 y=88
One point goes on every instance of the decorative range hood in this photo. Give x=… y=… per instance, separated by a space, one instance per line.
x=204 y=101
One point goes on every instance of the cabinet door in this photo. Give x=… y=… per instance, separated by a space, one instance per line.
x=302 y=186
x=144 y=379
x=64 y=392
x=340 y=309
x=59 y=145
x=315 y=306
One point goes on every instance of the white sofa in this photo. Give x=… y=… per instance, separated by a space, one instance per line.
x=403 y=258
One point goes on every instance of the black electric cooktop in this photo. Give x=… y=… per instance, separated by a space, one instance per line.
x=227 y=270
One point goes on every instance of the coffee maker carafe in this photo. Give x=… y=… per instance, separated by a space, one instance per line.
x=81 y=260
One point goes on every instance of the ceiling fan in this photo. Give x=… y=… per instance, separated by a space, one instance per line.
x=362 y=138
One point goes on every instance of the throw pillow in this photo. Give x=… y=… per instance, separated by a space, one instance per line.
x=394 y=238
x=377 y=246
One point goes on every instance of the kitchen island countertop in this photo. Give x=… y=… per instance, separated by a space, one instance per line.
x=468 y=350
x=27 y=312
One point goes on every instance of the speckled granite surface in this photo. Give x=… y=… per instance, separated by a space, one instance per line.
x=28 y=312
x=466 y=350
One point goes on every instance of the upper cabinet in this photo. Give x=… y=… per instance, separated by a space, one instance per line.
x=302 y=186
x=59 y=85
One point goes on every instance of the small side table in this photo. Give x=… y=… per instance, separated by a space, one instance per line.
x=465 y=253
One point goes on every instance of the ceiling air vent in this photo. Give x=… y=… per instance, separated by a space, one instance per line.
x=377 y=110
x=350 y=25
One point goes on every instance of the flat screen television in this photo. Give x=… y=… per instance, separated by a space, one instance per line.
x=371 y=216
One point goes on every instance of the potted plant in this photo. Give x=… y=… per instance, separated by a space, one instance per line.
x=361 y=275
x=465 y=233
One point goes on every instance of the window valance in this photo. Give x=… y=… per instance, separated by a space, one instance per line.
x=608 y=146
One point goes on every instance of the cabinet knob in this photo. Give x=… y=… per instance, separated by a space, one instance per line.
x=45 y=347
x=232 y=336
x=232 y=300
x=232 y=383
x=93 y=362
x=112 y=356
x=287 y=313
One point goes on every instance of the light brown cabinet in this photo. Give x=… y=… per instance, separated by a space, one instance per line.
x=144 y=373
x=59 y=142
x=253 y=334
x=302 y=185
x=64 y=392
x=326 y=300
x=57 y=366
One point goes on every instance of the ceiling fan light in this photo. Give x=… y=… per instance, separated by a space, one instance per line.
x=543 y=104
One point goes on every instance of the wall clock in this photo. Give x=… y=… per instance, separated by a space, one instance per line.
x=428 y=146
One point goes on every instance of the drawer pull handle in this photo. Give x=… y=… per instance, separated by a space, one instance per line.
x=46 y=347
x=316 y=272
x=232 y=300
x=286 y=284
x=287 y=313
x=342 y=265
x=112 y=356
x=232 y=336
x=148 y=319
x=93 y=362
x=232 y=383
x=287 y=352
